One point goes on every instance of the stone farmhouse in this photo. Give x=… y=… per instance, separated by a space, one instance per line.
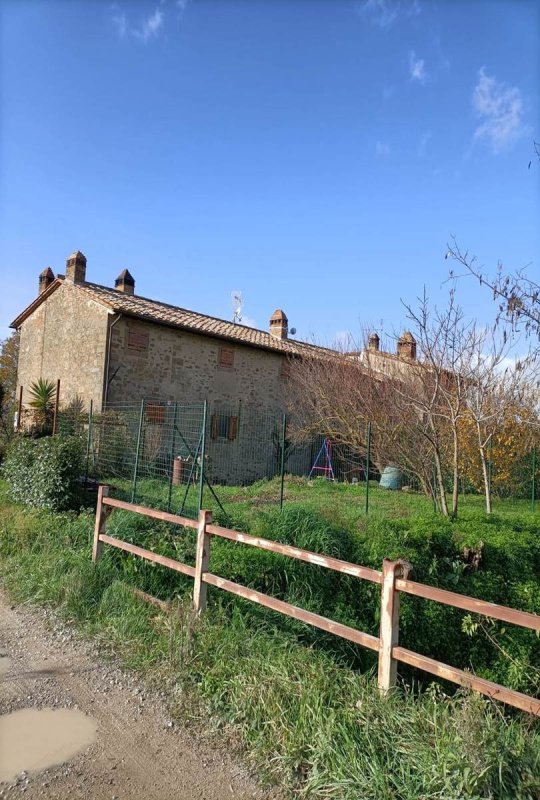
x=110 y=346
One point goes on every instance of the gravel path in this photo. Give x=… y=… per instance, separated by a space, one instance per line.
x=138 y=751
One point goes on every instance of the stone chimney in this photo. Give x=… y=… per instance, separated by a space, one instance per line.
x=373 y=341
x=45 y=279
x=406 y=346
x=279 y=324
x=76 y=267
x=125 y=282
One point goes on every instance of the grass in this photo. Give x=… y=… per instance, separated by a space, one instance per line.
x=305 y=719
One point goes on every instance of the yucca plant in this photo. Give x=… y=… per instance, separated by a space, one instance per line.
x=42 y=401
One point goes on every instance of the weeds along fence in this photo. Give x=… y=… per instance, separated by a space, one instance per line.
x=392 y=579
x=179 y=456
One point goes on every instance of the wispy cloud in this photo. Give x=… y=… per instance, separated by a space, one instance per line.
x=499 y=108
x=417 y=68
x=384 y=13
x=147 y=28
x=382 y=149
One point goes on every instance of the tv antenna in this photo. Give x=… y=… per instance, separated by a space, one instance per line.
x=236 y=297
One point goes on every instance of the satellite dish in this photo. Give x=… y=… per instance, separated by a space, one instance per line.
x=236 y=297
x=293 y=331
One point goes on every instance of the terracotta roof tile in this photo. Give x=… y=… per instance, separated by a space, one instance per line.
x=164 y=314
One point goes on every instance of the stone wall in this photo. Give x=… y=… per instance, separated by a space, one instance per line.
x=65 y=338
x=155 y=362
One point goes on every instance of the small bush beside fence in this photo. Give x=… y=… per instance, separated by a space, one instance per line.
x=45 y=473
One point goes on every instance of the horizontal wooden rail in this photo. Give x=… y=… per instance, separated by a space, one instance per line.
x=353 y=635
x=512 y=615
x=164 y=516
x=336 y=564
x=393 y=580
x=148 y=555
x=459 y=676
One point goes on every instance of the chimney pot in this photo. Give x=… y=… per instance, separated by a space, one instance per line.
x=76 y=267
x=373 y=341
x=46 y=277
x=406 y=346
x=125 y=282
x=279 y=324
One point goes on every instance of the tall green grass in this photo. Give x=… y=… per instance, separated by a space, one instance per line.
x=306 y=720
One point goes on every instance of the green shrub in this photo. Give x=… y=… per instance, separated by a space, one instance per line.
x=45 y=473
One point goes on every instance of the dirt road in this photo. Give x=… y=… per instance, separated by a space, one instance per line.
x=135 y=752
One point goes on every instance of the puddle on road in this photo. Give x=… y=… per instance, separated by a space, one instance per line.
x=4 y=664
x=33 y=740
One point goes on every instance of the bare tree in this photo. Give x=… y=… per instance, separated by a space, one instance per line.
x=517 y=295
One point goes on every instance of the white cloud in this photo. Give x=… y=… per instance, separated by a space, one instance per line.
x=417 y=68
x=384 y=13
x=382 y=148
x=500 y=110
x=149 y=27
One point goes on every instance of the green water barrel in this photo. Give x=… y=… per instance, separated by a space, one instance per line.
x=391 y=478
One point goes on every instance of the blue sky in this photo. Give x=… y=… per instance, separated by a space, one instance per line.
x=316 y=155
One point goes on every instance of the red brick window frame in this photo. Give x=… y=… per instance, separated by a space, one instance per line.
x=226 y=356
x=138 y=341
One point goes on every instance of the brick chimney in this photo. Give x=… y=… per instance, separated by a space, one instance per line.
x=125 y=282
x=406 y=346
x=279 y=324
x=373 y=341
x=45 y=279
x=76 y=267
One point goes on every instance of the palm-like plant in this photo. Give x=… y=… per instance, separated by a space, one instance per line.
x=42 y=401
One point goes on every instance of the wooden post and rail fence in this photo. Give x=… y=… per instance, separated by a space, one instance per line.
x=393 y=580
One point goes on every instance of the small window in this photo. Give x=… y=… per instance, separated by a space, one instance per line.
x=223 y=426
x=137 y=341
x=226 y=356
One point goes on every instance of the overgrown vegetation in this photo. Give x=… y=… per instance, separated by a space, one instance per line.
x=45 y=473
x=306 y=718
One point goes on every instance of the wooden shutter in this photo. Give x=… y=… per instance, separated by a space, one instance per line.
x=214 y=426
x=232 y=431
x=226 y=356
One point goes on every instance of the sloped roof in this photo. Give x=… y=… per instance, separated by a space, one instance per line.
x=173 y=316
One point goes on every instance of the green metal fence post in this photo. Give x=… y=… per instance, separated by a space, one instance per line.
x=490 y=445
x=368 y=459
x=137 y=454
x=173 y=457
x=282 y=460
x=533 y=482
x=88 y=443
x=202 y=455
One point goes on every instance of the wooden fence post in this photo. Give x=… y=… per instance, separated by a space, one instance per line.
x=389 y=630
x=202 y=560
x=101 y=519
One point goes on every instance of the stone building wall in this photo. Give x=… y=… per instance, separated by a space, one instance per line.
x=65 y=338
x=167 y=364
x=155 y=362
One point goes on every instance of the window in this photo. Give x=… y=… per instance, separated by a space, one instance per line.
x=137 y=341
x=223 y=426
x=226 y=356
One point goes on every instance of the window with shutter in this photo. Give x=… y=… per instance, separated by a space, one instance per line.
x=226 y=356
x=137 y=341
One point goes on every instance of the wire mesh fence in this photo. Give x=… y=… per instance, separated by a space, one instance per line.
x=182 y=457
